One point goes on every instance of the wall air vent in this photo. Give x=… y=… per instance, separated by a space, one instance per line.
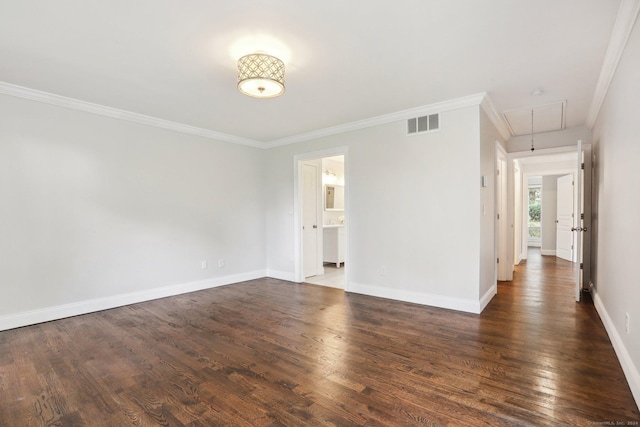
x=423 y=124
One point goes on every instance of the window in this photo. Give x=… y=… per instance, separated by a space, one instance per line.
x=535 y=210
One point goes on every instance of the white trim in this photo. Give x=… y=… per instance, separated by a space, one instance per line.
x=630 y=370
x=88 y=107
x=627 y=15
x=289 y=276
x=88 y=306
x=548 y=252
x=497 y=119
x=438 y=107
x=459 y=304
x=488 y=296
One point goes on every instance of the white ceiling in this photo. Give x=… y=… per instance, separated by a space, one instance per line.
x=346 y=61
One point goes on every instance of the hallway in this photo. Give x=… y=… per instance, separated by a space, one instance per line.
x=562 y=343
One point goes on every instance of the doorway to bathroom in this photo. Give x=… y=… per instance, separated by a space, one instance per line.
x=321 y=205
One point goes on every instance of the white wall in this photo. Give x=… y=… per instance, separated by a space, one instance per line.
x=413 y=208
x=549 y=214
x=616 y=239
x=95 y=208
x=99 y=212
x=487 y=209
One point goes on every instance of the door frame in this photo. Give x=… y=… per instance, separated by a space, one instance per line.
x=298 y=258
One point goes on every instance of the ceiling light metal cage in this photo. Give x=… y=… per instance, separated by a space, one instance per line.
x=261 y=75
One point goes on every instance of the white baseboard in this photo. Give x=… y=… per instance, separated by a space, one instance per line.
x=459 y=304
x=629 y=369
x=88 y=306
x=289 y=276
x=488 y=296
x=548 y=252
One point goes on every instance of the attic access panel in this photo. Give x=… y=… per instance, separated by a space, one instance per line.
x=546 y=118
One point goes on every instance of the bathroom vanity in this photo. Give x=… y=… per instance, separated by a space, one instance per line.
x=333 y=244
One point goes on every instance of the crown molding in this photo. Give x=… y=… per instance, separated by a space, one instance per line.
x=497 y=119
x=76 y=104
x=627 y=15
x=439 y=107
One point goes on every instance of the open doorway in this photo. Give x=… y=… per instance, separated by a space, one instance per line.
x=321 y=218
x=553 y=207
x=551 y=210
x=534 y=220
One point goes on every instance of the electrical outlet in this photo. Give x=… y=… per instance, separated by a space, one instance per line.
x=221 y=263
x=626 y=322
x=204 y=265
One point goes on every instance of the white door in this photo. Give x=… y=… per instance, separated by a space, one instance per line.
x=310 y=220
x=578 y=228
x=564 y=218
x=501 y=218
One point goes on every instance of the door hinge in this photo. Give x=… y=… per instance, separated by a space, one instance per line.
x=582 y=166
x=498 y=260
x=581 y=216
x=581 y=266
x=497 y=171
x=498 y=215
x=571 y=246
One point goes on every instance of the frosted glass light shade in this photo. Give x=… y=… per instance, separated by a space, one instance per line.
x=261 y=75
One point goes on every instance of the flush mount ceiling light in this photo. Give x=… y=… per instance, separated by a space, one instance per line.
x=261 y=75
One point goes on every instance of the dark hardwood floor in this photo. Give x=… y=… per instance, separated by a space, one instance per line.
x=268 y=352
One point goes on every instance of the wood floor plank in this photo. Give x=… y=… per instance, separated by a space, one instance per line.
x=274 y=353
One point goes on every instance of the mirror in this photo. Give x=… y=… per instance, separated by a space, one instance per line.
x=334 y=197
